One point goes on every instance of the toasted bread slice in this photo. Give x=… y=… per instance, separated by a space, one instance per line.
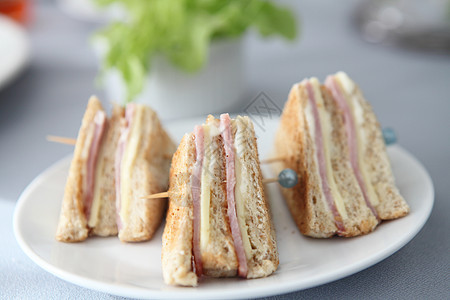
x=103 y=214
x=176 y=252
x=218 y=252
x=144 y=170
x=263 y=257
x=385 y=198
x=72 y=226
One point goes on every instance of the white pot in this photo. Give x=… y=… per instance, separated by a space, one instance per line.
x=173 y=93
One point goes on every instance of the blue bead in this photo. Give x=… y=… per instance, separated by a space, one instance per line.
x=288 y=178
x=389 y=136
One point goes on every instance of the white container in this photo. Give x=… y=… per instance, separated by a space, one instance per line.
x=173 y=93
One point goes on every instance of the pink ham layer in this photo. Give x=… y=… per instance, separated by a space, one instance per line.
x=100 y=125
x=196 y=192
x=121 y=146
x=321 y=159
x=350 y=128
x=225 y=127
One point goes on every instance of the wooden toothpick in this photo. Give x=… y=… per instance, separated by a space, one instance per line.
x=71 y=141
x=61 y=140
x=269 y=180
x=271 y=160
x=158 y=195
x=287 y=179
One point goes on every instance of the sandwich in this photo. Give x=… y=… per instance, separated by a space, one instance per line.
x=218 y=223
x=80 y=187
x=90 y=199
x=330 y=136
x=367 y=148
x=142 y=165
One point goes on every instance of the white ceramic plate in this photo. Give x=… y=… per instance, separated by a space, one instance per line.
x=14 y=50
x=134 y=270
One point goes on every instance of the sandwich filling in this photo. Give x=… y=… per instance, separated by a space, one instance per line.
x=201 y=197
x=123 y=155
x=243 y=181
x=354 y=137
x=315 y=119
x=235 y=225
x=89 y=183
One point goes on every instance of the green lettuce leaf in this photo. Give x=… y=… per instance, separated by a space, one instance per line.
x=182 y=31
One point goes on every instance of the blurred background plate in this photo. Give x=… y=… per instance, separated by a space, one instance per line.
x=88 y=11
x=14 y=50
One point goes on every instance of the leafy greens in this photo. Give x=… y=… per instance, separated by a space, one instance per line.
x=182 y=31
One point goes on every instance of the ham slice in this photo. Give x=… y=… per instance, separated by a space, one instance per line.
x=350 y=129
x=225 y=128
x=321 y=159
x=121 y=146
x=196 y=193
x=100 y=125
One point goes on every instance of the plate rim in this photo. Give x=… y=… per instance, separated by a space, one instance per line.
x=192 y=293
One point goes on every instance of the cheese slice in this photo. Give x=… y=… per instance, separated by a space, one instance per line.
x=99 y=120
x=242 y=182
x=358 y=116
x=325 y=123
x=127 y=164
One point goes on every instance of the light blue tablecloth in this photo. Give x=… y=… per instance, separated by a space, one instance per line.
x=409 y=90
x=20 y=278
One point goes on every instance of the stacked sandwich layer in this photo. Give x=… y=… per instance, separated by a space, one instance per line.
x=330 y=136
x=218 y=223
x=115 y=164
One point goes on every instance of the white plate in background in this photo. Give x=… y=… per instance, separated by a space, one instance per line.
x=88 y=11
x=134 y=270
x=14 y=50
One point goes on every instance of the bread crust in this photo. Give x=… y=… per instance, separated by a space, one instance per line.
x=176 y=252
x=258 y=220
x=219 y=256
x=72 y=226
x=149 y=175
x=293 y=142
x=392 y=205
x=360 y=218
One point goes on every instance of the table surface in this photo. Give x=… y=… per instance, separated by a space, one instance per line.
x=409 y=90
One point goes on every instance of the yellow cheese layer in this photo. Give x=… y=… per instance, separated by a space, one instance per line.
x=325 y=123
x=358 y=116
x=127 y=164
x=95 y=206
x=241 y=183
